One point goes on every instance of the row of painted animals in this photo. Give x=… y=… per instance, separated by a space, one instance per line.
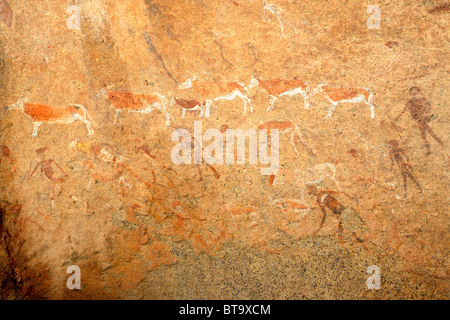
x=214 y=91
x=124 y=101
x=419 y=107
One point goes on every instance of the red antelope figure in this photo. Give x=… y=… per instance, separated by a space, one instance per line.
x=279 y=87
x=214 y=91
x=135 y=102
x=39 y=113
x=340 y=95
x=188 y=105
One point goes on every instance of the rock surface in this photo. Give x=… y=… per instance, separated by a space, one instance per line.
x=88 y=177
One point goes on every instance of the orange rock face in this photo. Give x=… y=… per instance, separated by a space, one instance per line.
x=362 y=158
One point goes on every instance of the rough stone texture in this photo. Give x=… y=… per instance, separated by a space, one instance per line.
x=140 y=227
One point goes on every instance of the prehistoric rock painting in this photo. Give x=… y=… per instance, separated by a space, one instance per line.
x=188 y=105
x=398 y=155
x=287 y=126
x=118 y=162
x=279 y=87
x=441 y=8
x=317 y=174
x=142 y=103
x=420 y=109
x=350 y=189
x=214 y=91
x=6 y=152
x=403 y=66
x=46 y=167
x=341 y=95
x=39 y=113
x=279 y=14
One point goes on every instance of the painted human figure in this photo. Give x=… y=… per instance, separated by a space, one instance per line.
x=6 y=152
x=420 y=108
x=102 y=151
x=146 y=153
x=398 y=155
x=46 y=166
x=348 y=219
x=325 y=200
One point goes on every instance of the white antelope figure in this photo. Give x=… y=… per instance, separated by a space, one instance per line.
x=214 y=91
x=341 y=95
x=280 y=87
x=39 y=113
x=278 y=12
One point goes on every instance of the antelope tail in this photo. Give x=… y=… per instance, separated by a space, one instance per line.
x=164 y=100
x=369 y=98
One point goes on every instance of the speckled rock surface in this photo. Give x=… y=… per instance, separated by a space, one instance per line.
x=96 y=89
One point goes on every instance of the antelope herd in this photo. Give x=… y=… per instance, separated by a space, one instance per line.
x=124 y=101
x=201 y=98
